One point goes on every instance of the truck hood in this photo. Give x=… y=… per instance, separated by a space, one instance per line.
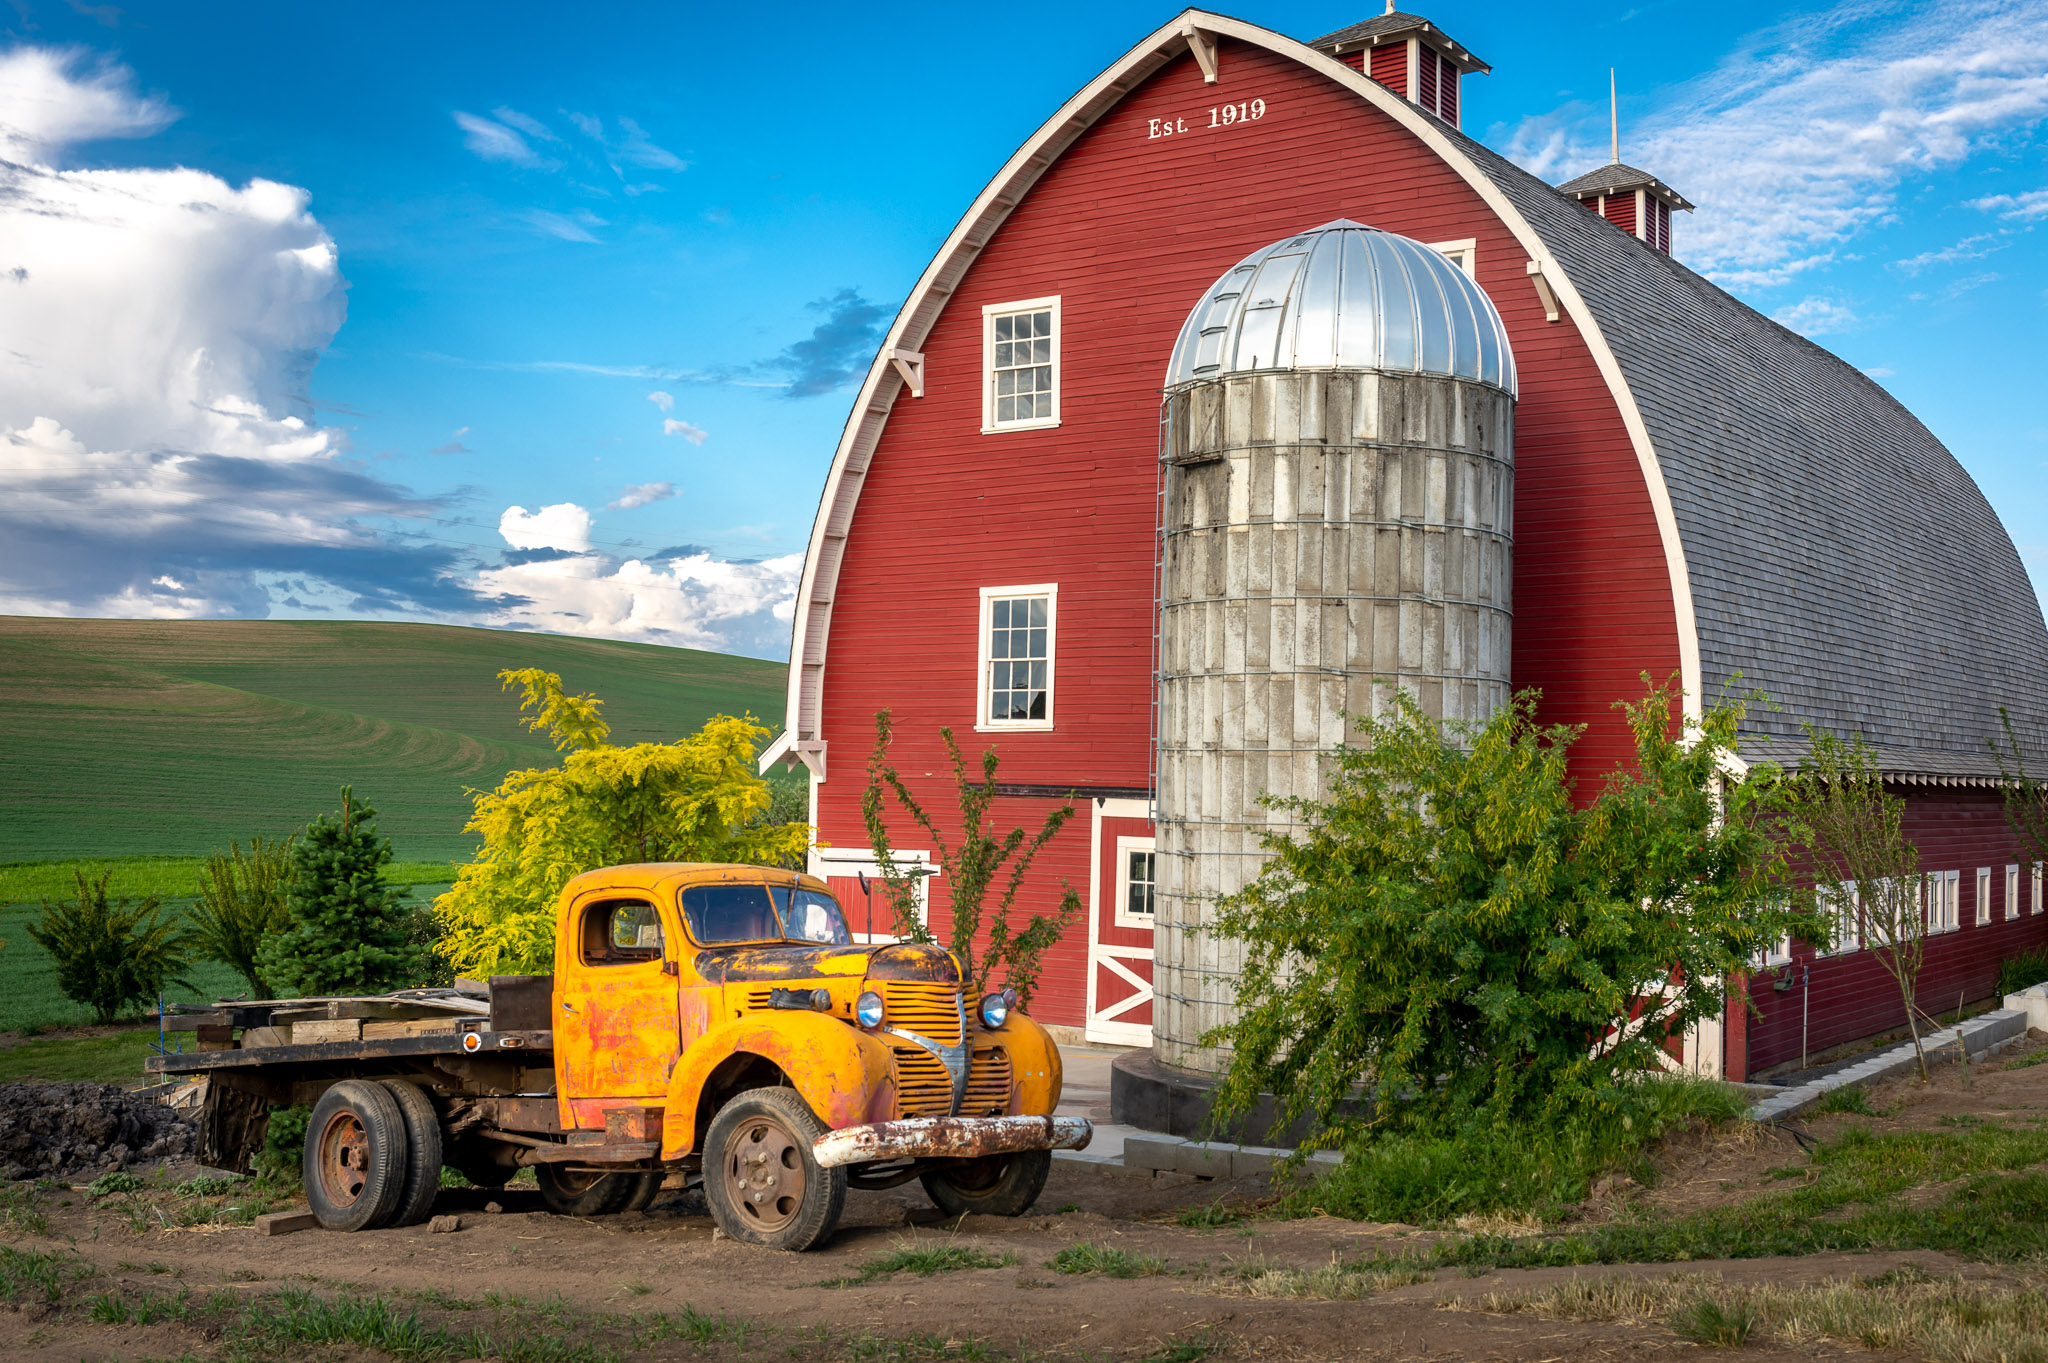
x=787 y=961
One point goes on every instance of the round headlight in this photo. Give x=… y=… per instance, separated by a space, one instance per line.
x=868 y=1010
x=995 y=1010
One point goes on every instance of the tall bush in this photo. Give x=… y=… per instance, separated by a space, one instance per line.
x=1450 y=926
x=110 y=954
x=348 y=930
x=243 y=904
x=1853 y=833
x=697 y=799
x=971 y=869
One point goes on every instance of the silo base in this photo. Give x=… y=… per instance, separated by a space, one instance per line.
x=1151 y=1095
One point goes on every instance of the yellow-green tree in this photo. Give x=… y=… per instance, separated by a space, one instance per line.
x=697 y=799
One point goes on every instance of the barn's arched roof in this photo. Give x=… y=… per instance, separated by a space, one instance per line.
x=1821 y=545
x=1345 y=296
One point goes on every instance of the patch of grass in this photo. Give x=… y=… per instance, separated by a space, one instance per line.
x=115 y=1058
x=1332 y=1282
x=700 y=1328
x=1991 y=1208
x=1423 y=1181
x=2027 y=1062
x=111 y=1308
x=1850 y=1098
x=2023 y=970
x=1187 y=1350
x=31 y=882
x=21 y=1209
x=1946 y=1320
x=1209 y=1217
x=923 y=1260
x=1066 y=1207
x=27 y=1274
x=1107 y=1260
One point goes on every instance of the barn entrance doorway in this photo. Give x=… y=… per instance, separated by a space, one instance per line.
x=1120 y=909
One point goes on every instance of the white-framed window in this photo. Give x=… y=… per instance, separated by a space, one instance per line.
x=1944 y=901
x=1019 y=626
x=1020 y=365
x=1463 y=254
x=2034 y=887
x=1839 y=906
x=866 y=905
x=1776 y=954
x=1983 y=905
x=2012 y=891
x=1137 y=865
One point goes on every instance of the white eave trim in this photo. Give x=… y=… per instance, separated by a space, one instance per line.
x=935 y=286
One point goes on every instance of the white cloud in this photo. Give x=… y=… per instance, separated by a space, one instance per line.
x=494 y=141
x=663 y=401
x=564 y=525
x=2025 y=207
x=572 y=228
x=638 y=149
x=696 y=435
x=1789 y=153
x=1817 y=316
x=1969 y=248
x=49 y=101
x=526 y=123
x=642 y=494
x=692 y=601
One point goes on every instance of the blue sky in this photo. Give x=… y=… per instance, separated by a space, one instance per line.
x=515 y=315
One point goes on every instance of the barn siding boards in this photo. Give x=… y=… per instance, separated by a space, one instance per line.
x=1129 y=230
x=1852 y=995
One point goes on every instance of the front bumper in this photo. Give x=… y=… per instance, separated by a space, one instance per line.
x=949 y=1138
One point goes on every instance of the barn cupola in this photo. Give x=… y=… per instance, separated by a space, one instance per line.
x=1634 y=200
x=1409 y=55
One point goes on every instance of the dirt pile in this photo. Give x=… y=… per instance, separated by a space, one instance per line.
x=56 y=1130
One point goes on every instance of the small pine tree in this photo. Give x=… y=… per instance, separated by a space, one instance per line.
x=348 y=927
x=110 y=954
x=242 y=905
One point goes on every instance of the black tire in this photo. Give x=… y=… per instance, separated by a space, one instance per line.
x=763 y=1184
x=1000 y=1185
x=646 y=1187
x=579 y=1194
x=356 y=1156
x=423 y=1154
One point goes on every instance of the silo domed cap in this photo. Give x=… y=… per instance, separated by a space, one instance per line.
x=1345 y=296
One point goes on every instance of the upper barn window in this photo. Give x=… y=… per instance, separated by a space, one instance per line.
x=1017 y=626
x=1020 y=365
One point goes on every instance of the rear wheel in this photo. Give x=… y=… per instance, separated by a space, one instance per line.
x=356 y=1156
x=574 y=1193
x=998 y=1185
x=762 y=1183
x=646 y=1187
x=423 y=1160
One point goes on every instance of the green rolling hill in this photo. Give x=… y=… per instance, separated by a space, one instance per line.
x=169 y=737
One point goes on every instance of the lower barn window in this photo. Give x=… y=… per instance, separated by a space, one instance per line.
x=1140 y=879
x=1017 y=656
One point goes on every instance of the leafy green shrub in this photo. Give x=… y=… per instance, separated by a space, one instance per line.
x=242 y=905
x=2023 y=971
x=347 y=934
x=284 y=1143
x=120 y=1181
x=1530 y=1169
x=110 y=954
x=1451 y=926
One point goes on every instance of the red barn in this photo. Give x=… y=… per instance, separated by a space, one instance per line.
x=1696 y=491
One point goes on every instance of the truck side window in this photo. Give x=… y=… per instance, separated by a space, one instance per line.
x=621 y=931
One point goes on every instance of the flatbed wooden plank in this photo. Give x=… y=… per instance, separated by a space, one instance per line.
x=444 y=1043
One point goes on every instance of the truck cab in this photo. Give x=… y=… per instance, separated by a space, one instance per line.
x=723 y=1017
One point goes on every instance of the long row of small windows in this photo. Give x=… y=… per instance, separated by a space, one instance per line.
x=1930 y=903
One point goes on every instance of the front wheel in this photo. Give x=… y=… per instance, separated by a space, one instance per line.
x=762 y=1183
x=997 y=1185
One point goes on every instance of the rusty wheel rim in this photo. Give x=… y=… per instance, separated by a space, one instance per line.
x=344 y=1162
x=764 y=1166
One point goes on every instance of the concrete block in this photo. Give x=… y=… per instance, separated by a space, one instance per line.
x=2032 y=1003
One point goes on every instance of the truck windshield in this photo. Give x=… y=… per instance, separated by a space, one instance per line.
x=762 y=913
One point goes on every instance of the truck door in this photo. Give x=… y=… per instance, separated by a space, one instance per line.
x=615 y=1006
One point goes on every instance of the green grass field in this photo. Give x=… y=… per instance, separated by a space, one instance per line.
x=154 y=738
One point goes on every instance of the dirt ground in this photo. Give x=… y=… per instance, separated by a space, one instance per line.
x=668 y=1259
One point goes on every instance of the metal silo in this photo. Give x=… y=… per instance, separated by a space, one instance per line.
x=1338 y=486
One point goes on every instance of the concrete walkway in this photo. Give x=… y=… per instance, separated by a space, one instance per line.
x=1086 y=1094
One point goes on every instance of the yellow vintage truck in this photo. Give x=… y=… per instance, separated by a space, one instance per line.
x=709 y=1023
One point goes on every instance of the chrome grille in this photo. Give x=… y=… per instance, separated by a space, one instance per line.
x=932 y=1011
x=924 y=1089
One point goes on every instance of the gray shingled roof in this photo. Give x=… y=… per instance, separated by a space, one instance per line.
x=1841 y=560
x=1371 y=28
x=1615 y=175
x=1914 y=765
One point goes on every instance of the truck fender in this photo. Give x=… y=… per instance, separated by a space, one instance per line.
x=1037 y=1074
x=847 y=1076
